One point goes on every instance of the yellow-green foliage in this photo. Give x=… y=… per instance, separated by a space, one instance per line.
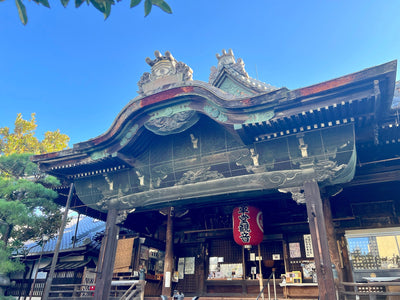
x=22 y=139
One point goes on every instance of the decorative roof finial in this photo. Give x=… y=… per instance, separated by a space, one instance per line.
x=226 y=58
x=228 y=64
x=165 y=70
x=160 y=57
x=157 y=54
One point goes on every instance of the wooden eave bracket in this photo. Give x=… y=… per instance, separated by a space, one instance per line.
x=126 y=159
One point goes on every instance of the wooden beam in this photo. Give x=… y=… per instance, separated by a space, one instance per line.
x=374 y=177
x=49 y=279
x=126 y=159
x=332 y=242
x=108 y=249
x=169 y=254
x=260 y=277
x=322 y=258
x=285 y=256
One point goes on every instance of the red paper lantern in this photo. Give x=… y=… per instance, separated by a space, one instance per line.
x=247 y=225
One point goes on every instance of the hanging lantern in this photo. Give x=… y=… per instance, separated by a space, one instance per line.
x=247 y=225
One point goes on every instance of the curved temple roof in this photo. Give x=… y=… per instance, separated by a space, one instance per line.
x=251 y=112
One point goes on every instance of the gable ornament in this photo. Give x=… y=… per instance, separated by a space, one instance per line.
x=165 y=71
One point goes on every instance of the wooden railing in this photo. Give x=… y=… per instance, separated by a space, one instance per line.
x=126 y=289
x=261 y=294
x=370 y=290
x=58 y=291
x=22 y=288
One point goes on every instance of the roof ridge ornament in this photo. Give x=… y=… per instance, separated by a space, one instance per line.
x=159 y=57
x=228 y=59
x=235 y=68
x=165 y=70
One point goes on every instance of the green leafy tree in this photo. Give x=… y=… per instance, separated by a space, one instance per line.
x=27 y=210
x=103 y=6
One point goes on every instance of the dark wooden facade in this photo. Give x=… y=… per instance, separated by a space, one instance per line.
x=318 y=161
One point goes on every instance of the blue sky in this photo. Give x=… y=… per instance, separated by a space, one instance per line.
x=77 y=71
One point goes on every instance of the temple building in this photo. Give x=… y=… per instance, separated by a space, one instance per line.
x=233 y=183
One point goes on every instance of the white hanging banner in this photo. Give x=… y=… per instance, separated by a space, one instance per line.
x=181 y=267
x=308 y=245
x=167 y=279
x=189 y=265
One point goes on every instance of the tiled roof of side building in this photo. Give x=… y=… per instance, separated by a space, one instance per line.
x=88 y=229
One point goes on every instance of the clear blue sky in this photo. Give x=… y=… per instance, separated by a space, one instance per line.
x=77 y=71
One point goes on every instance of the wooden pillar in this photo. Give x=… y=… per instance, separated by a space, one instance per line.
x=108 y=249
x=244 y=262
x=260 y=277
x=244 y=287
x=332 y=241
x=200 y=271
x=322 y=258
x=49 y=279
x=206 y=267
x=169 y=254
x=285 y=256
